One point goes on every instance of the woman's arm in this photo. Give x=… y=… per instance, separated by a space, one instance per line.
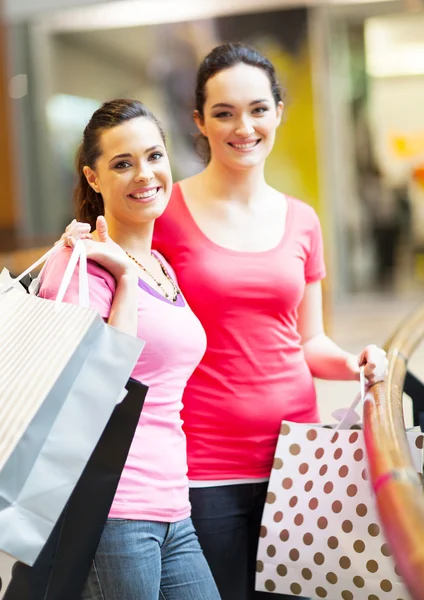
x=326 y=359
x=124 y=308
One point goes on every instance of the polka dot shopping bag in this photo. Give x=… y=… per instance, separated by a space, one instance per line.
x=321 y=536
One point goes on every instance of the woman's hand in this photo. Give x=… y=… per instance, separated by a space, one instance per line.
x=105 y=252
x=375 y=363
x=76 y=231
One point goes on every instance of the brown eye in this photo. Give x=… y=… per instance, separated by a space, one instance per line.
x=122 y=165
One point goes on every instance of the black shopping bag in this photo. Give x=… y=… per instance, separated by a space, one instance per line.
x=62 y=567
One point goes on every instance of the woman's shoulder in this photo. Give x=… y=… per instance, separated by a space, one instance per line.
x=302 y=208
x=55 y=267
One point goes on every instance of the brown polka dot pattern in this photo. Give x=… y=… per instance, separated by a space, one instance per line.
x=298 y=520
x=259 y=566
x=332 y=578
x=372 y=566
x=374 y=530
x=278 y=463
x=359 y=546
x=358 y=581
x=347 y=526
x=338 y=453
x=312 y=435
x=309 y=485
x=344 y=471
x=294 y=555
x=294 y=449
x=333 y=542
x=321 y=592
x=328 y=487
x=313 y=503
x=284 y=535
x=358 y=455
x=321 y=536
x=287 y=483
x=271 y=498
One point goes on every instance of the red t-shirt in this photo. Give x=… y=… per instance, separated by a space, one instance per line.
x=253 y=374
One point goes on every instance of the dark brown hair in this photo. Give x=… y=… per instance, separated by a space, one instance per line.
x=224 y=57
x=88 y=203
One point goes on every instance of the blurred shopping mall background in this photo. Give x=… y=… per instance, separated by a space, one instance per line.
x=352 y=143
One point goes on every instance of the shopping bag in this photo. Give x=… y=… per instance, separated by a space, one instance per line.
x=321 y=536
x=62 y=370
x=62 y=566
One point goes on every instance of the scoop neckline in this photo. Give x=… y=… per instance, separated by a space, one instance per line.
x=223 y=249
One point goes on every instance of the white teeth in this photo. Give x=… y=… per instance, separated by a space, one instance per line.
x=244 y=146
x=145 y=194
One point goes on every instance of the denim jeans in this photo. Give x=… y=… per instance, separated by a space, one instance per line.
x=148 y=560
x=227 y=520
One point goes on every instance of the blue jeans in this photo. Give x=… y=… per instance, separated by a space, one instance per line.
x=148 y=560
x=227 y=520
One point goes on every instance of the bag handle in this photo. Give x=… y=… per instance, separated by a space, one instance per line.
x=348 y=416
x=38 y=262
x=79 y=254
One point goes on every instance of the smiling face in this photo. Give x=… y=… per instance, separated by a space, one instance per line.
x=240 y=117
x=132 y=173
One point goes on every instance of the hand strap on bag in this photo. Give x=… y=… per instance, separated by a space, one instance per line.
x=78 y=254
x=348 y=416
x=13 y=281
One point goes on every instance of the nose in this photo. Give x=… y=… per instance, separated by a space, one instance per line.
x=245 y=127
x=144 y=172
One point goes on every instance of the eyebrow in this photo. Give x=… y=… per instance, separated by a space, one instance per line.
x=225 y=105
x=129 y=155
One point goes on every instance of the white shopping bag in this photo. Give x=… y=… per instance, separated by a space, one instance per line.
x=62 y=370
x=321 y=536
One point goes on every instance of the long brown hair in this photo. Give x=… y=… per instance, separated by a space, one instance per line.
x=88 y=203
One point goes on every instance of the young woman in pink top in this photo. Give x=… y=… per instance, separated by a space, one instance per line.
x=149 y=548
x=250 y=262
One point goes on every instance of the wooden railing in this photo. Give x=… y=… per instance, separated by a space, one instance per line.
x=397 y=486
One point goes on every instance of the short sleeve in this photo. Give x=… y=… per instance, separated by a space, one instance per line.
x=315 y=264
x=101 y=283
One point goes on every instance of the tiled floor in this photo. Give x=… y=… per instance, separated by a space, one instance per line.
x=356 y=322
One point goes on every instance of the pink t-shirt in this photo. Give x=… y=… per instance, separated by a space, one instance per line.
x=154 y=484
x=254 y=373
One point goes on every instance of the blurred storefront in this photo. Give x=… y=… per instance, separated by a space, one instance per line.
x=351 y=143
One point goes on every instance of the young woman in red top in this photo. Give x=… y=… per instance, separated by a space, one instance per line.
x=249 y=260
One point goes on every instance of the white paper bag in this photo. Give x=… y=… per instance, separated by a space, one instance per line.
x=321 y=536
x=62 y=370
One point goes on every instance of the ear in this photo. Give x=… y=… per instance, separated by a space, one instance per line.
x=198 y=119
x=91 y=177
x=280 y=110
